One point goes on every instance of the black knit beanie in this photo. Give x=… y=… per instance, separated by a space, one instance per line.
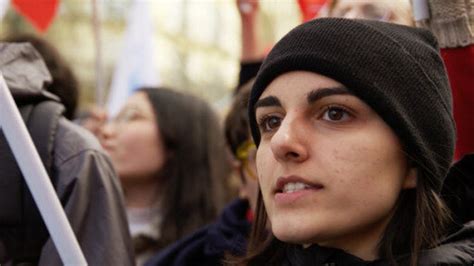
x=397 y=70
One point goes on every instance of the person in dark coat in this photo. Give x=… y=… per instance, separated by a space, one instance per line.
x=355 y=137
x=83 y=177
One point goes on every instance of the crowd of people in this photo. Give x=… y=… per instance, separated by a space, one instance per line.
x=338 y=149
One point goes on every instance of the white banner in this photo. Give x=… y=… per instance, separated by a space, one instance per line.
x=3 y=8
x=421 y=10
x=135 y=67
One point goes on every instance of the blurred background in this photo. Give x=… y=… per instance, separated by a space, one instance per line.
x=191 y=45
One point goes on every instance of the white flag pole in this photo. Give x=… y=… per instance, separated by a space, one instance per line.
x=99 y=81
x=135 y=67
x=421 y=10
x=37 y=179
x=3 y=8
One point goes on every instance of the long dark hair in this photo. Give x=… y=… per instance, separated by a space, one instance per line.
x=193 y=180
x=420 y=220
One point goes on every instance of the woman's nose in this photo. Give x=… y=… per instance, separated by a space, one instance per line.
x=106 y=131
x=288 y=142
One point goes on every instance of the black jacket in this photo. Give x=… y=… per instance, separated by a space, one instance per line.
x=457 y=249
x=208 y=245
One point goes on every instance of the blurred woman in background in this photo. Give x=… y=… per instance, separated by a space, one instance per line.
x=170 y=155
x=394 y=11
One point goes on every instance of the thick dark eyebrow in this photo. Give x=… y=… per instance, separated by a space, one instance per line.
x=268 y=101
x=316 y=95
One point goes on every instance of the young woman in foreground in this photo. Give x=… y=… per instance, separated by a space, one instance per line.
x=353 y=123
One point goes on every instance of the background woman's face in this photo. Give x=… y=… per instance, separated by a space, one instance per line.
x=134 y=142
x=329 y=168
x=396 y=11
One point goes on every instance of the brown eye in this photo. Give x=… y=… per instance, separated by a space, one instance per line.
x=269 y=123
x=273 y=122
x=335 y=114
x=127 y=115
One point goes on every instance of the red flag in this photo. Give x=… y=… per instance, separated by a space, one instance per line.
x=40 y=13
x=309 y=8
x=460 y=65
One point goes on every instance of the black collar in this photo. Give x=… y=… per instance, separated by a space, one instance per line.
x=296 y=255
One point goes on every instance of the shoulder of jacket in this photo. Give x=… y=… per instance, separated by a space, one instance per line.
x=72 y=140
x=457 y=249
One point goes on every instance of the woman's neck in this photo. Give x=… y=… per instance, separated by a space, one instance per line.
x=140 y=195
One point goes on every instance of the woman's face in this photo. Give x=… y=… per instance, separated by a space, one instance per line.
x=133 y=141
x=382 y=10
x=329 y=168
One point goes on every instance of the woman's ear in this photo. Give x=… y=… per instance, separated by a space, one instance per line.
x=411 y=177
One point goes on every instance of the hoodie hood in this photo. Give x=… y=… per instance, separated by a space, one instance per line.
x=458 y=193
x=25 y=72
x=458 y=190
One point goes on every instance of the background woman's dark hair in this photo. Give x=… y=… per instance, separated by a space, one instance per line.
x=419 y=222
x=236 y=124
x=64 y=83
x=193 y=187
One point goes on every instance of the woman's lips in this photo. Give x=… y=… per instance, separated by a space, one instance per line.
x=106 y=145
x=291 y=188
x=109 y=149
x=293 y=182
